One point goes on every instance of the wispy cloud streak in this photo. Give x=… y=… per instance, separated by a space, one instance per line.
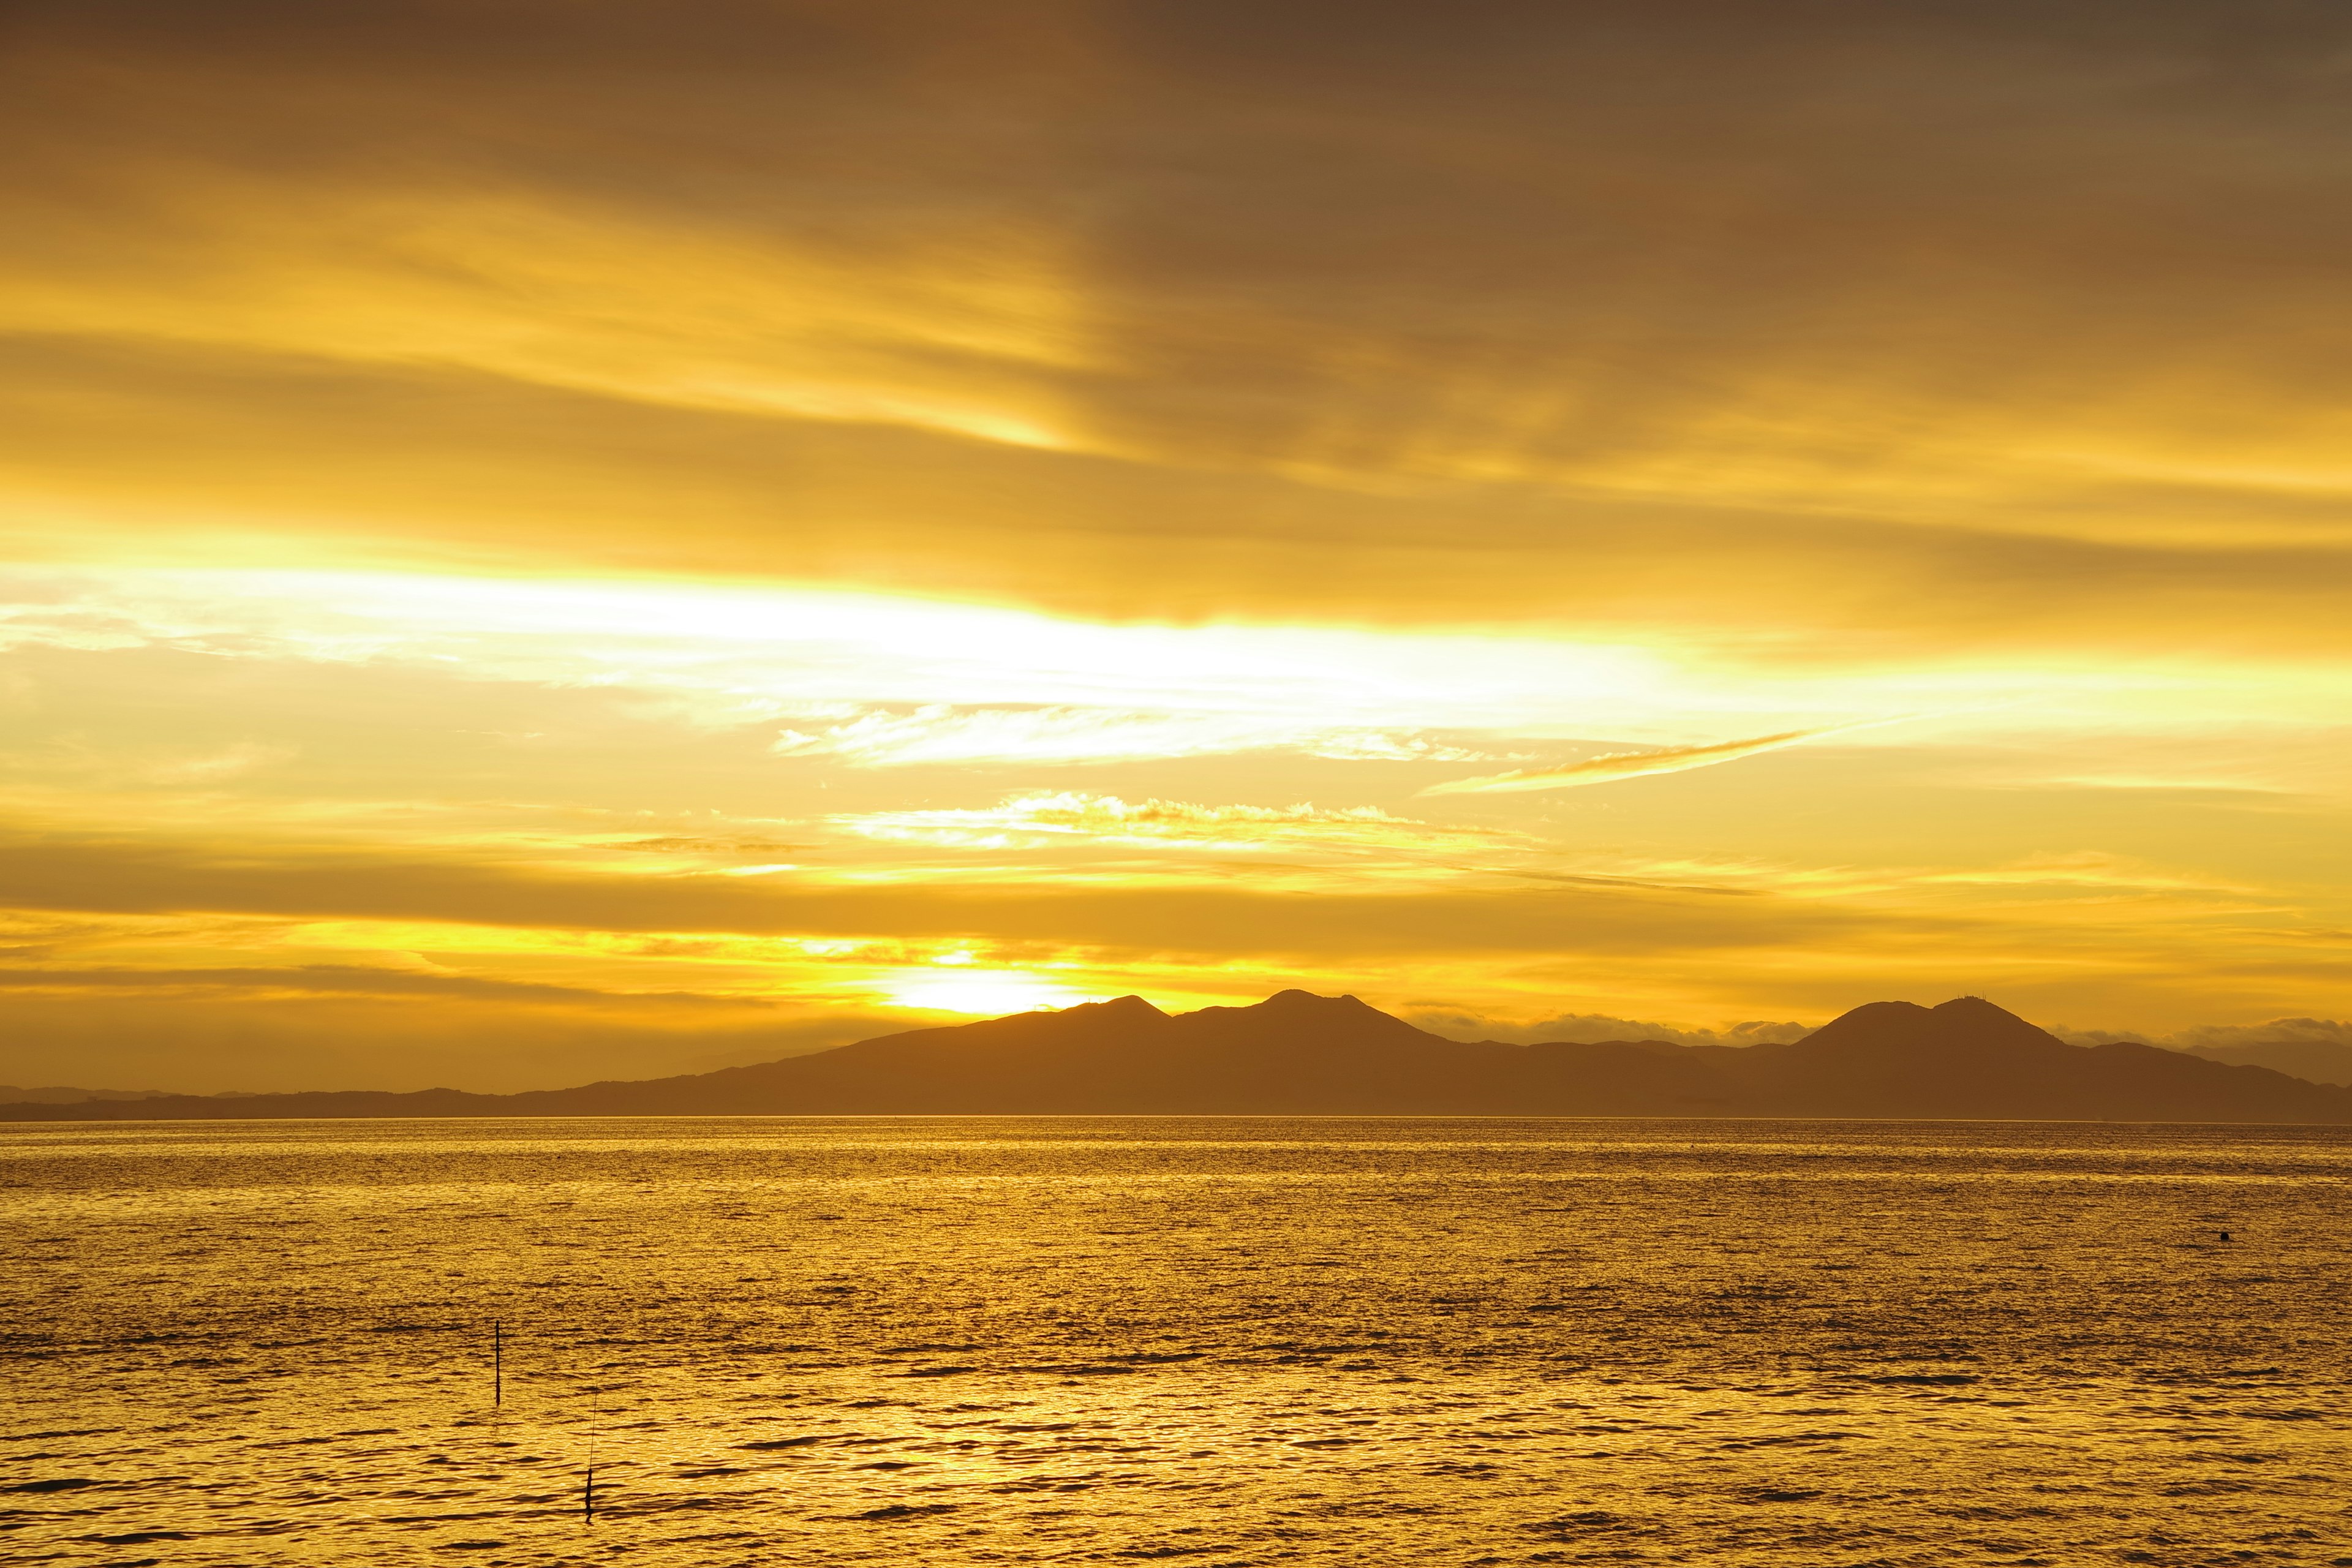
x=1617 y=766
x=1072 y=816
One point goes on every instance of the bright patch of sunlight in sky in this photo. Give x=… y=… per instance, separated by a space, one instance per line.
x=984 y=994
x=876 y=680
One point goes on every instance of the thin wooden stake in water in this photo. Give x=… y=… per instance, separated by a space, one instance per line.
x=588 y=1487
x=497 y=1365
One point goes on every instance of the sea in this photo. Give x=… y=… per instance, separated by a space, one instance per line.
x=1213 y=1341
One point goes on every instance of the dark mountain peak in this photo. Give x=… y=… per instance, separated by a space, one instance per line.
x=1118 y=1007
x=1875 y=1021
x=1881 y=1014
x=1294 y=1000
x=1298 y=1016
x=1967 y=1056
x=1118 y=1013
x=1290 y=1007
x=1974 y=1009
x=1964 y=1027
x=1119 y=1019
x=1973 y=1017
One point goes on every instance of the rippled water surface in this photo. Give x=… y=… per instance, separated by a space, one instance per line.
x=987 y=1340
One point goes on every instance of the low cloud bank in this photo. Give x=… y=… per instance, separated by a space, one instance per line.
x=2316 y=1049
x=1587 y=1028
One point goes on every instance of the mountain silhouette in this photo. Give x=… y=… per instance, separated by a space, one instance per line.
x=2321 y=1060
x=1299 y=1054
x=59 y=1094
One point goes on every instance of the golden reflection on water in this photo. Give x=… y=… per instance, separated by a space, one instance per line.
x=1218 y=1341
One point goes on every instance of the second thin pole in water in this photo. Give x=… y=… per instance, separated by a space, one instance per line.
x=588 y=1487
x=498 y=1364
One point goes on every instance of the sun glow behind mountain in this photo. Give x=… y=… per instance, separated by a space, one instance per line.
x=982 y=995
x=720 y=535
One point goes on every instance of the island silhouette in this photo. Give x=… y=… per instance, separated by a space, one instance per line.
x=1300 y=1054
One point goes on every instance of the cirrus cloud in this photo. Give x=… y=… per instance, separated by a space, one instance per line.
x=1072 y=815
x=1616 y=765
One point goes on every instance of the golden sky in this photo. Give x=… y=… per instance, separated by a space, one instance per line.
x=549 y=540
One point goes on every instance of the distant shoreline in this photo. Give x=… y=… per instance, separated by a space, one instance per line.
x=552 y=1116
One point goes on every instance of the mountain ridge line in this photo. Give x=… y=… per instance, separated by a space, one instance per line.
x=1296 y=1053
